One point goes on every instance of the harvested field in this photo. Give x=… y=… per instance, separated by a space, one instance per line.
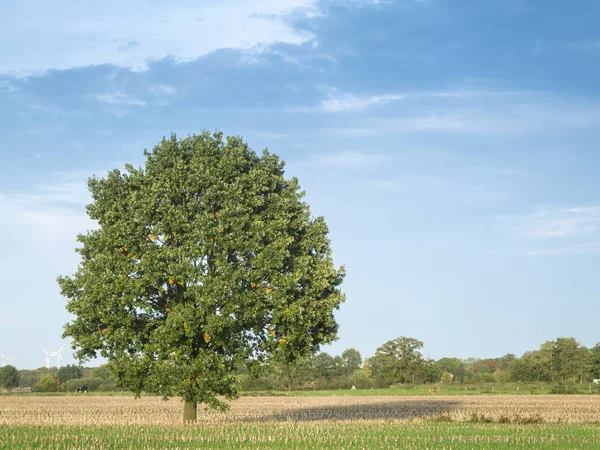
x=150 y=411
x=457 y=422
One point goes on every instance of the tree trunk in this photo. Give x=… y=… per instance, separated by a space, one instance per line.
x=190 y=412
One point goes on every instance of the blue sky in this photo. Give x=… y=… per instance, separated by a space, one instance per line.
x=450 y=145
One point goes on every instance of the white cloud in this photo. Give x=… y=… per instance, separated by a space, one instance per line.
x=131 y=34
x=575 y=249
x=337 y=102
x=349 y=102
x=51 y=216
x=347 y=159
x=119 y=98
x=271 y=135
x=474 y=112
x=384 y=184
x=573 y=222
x=162 y=89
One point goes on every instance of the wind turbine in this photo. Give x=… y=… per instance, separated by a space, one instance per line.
x=59 y=357
x=4 y=359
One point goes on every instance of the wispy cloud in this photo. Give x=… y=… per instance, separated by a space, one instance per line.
x=547 y=223
x=162 y=89
x=339 y=102
x=347 y=160
x=119 y=98
x=555 y=231
x=591 y=248
x=383 y=184
x=271 y=135
x=89 y=34
x=349 y=102
x=51 y=214
x=474 y=114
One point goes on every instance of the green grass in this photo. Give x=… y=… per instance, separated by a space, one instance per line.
x=311 y=435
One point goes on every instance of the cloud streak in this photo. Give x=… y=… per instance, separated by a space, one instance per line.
x=132 y=35
x=573 y=222
x=353 y=160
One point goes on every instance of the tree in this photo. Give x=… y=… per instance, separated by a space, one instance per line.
x=455 y=366
x=351 y=361
x=533 y=366
x=397 y=361
x=69 y=372
x=594 y=361
x=205 y=260
x=446 y=378
x=324 y=366
x=504 y=362
x=9 y=377
x=47 y=383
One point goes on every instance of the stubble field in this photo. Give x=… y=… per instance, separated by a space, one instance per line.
x=436 y=422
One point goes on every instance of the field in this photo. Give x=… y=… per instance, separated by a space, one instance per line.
x=436 y=422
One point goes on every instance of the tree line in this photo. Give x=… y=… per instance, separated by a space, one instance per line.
x=400 y=361
x=68 y=378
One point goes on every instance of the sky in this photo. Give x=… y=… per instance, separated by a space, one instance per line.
x=450 y=145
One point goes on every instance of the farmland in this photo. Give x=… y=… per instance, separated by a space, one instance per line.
x=483 y=421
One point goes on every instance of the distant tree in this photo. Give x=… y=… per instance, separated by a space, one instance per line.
x=446 y=378
x=351 y=361
x=47 y=383
x=205 y=259
x=594 y=361
x=453 y=365
x=324 y=366
x=102 y=372
x=488 y=366
x=294 y=374
x=361 y=379
x=9 y=377
x=504 y=362
x=501 y=376
x=533 y=366
x=565 y=358
x=397 y=361
x=69 y=372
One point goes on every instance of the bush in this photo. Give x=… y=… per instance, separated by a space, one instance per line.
x=9 y=377
x=47 y=383
x=564 y=388
x=69 y=372
x=73 y=385
x=361 y=380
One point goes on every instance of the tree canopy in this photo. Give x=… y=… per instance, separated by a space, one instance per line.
x=9 y=377
x=204 y=260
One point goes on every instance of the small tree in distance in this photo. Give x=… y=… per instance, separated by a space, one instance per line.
x=205 y=259
x=47 y=383
x=9 y=377
x=447 y=378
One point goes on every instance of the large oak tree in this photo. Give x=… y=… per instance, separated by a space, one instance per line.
x=205 y=259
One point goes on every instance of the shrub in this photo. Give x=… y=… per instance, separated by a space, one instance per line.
x=564 y=388
x=47 y=383
x=9 y=377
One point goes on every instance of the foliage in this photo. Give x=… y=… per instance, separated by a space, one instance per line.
x=351 y=361
x=69 y=372
x=47 y=383
x=397 y=361
x=205 y=260
x=564 y=388
x=446 y=378
x=9 y=377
